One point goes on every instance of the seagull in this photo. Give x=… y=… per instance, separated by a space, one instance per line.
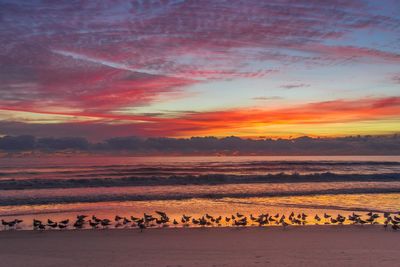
x=162 y=214
x=62 y=226
x=126 y=221
x=105 y=223
x=78 y=224
x=142 y=227
x=81 y=217
x=65 y=221
x=93 y=224
x=52 y=224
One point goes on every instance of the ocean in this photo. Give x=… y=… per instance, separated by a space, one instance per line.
x=63 y=187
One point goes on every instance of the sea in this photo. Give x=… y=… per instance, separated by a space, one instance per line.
x=60 y=187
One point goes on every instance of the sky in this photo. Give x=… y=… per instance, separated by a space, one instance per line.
x=176 y=68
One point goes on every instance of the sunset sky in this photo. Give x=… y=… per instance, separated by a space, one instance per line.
x=179 y=68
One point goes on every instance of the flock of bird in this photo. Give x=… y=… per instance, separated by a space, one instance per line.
x=236 y=220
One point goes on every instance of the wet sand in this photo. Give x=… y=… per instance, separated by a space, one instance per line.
x=271 y=246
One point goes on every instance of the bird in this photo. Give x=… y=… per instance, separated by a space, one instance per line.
x=62 y=226
x=52 y=224
x=4 y=223
x=134 y=219
x=93 y=224
x=105 y=223
x=65 y=222
x=126 y=221
x=78 y=224
x=162 y=214
x=81 y=217
x=142 y=227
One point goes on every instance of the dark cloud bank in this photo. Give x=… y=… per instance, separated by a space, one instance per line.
x=353 y=145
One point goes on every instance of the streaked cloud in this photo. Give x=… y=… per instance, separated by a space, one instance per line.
x=118 y=65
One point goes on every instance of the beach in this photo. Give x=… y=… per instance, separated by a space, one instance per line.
x=252 y=246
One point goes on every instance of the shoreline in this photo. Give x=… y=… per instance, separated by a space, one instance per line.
x=312 y=245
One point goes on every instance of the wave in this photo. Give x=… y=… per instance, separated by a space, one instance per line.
x=183 y=196
x=210 y=179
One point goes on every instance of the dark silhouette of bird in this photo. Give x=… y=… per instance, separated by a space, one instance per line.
x=126 y=221
x=93 y=224
x=65 y=222
x=162 y=214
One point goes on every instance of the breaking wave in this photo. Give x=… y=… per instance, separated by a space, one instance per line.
x=189 y=195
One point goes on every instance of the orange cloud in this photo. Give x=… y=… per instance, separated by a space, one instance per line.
x=320 y=118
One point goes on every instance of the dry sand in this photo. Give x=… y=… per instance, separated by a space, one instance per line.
x=273 y=246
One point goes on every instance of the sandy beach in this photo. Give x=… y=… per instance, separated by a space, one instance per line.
x=272 y=246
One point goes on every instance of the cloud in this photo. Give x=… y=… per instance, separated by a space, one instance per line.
x=89 y=62
x=396 y=78
x=243 y=121
x=294 y=85
x=266 y=98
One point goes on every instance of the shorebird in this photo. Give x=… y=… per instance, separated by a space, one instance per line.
x=93 y=224
x=186 y=218
x=81 y=217
x=41 y=227
x=65 y=222
x=142 y=227
x=126 y=221
x=105 y=223
x=317 y=218
x=52 y=224
x=175 y=222
x=240 y=223
x=78 y=224
x=134 y=219
x=62 y=226
x=162 y=214
x=117 y=218
x=4 y=223
x=326 y=216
